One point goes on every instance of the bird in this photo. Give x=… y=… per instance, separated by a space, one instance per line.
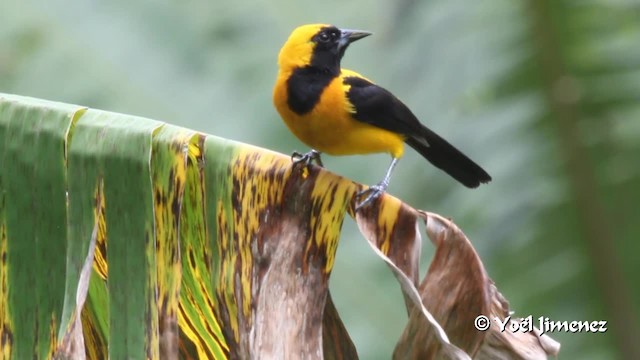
x=340 y=112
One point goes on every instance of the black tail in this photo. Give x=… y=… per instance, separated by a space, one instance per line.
x=446 y=157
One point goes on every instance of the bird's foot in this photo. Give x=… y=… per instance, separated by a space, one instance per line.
x=306 y=159
x=373 y=192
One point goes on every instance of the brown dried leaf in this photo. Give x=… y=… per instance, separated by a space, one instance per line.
x=391 y=230
x=513 y=345
x=456 y=290
x=336 y=343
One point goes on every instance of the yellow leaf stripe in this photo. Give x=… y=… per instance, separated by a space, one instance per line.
x=94 y=327
x=168 y=173
x=330 y=198
x=6 y=336
x=200 y=332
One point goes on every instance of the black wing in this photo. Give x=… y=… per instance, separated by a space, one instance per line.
x=378 y=107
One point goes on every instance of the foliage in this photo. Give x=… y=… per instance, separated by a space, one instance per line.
x=151 y=241
x=474 y=71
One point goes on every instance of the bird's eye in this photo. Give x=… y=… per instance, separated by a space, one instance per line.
x=324 y=37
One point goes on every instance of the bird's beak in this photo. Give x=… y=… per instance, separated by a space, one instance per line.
x=348 y=36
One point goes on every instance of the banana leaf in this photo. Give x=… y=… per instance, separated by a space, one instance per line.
x=128 y=238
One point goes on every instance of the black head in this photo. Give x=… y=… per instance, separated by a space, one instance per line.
x=330 y=44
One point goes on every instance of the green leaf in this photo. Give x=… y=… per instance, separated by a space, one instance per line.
x=33 y=223
x=149 y=240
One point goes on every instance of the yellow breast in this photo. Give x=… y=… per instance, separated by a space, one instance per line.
x=330 y=126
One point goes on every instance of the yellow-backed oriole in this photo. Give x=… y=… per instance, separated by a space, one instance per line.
x=340 y=112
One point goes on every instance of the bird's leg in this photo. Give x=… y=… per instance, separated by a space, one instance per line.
x=376 y=190
x=308 y=158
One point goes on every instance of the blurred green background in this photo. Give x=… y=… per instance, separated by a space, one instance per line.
x=544 y=94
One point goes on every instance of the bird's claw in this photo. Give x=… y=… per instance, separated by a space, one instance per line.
x=373 y=192
x=307 y=158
